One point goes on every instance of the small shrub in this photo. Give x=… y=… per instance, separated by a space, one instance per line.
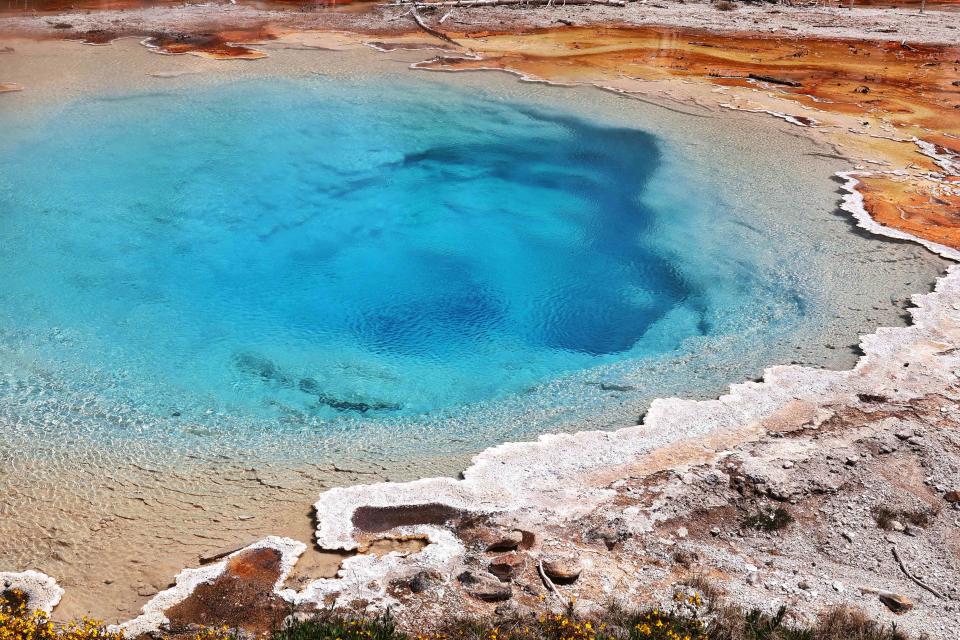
x=690 y=619
x=884 y=517
x=333 y=626
x=18 y=623
x=845 y=623
x=725 y=5
x=919 y=517
x=775 y=520
x=710 y=593
x=660 y=625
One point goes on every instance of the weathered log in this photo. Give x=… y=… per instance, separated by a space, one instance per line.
x=774 y=80
x=434 y=32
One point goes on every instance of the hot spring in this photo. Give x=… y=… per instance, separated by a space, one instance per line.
x=277 y=255
x=227 y=286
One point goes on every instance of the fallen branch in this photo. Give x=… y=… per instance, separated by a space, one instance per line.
x=916 y=580
x=434 y=32
x=498 y=3
x=547 y=582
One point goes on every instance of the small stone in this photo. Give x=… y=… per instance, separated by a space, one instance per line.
x=837 y=586
x=562 y=569
x=803 y=584
x=508 y=565
x=952 y=496
x=847 y=535
x=610 y=534
x=295 y=618
x=896 y=525
x=511 y=609
x=244 y=517
x=682 y=532
x=485 y=587
x=787 y=464
x=904 y=434
x=715 y=531
x=422 y=581
x=895 y=602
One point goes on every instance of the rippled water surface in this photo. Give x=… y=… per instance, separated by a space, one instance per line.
x=305 y=253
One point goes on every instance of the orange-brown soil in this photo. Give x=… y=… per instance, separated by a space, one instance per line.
x=220 y=45
x=242 y=597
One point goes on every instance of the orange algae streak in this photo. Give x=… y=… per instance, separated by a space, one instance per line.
x=9 y=87
x=242 y=597
x=874 y=99
x=925 y=208
x=222 y=45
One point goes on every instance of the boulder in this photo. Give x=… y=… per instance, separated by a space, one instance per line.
x=562 y=569
x=895 y=602
x=508 y=565
x=485 y=587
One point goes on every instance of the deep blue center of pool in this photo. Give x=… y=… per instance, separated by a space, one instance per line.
x=300 y=245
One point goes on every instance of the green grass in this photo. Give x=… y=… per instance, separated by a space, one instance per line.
x=693 y=621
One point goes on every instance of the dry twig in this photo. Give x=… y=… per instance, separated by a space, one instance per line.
x=907 y=573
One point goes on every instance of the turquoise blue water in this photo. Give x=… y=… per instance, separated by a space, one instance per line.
x=263 y=255
x=267 y=247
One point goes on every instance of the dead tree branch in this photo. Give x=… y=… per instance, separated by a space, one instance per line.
x=434 y=32
x=916 y=580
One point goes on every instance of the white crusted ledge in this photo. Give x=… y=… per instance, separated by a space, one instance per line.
x=43 y=593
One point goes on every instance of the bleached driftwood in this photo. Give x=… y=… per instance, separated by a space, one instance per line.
x=917 y=581
x=434 y=32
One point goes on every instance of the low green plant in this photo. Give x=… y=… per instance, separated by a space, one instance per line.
x=766 y=520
